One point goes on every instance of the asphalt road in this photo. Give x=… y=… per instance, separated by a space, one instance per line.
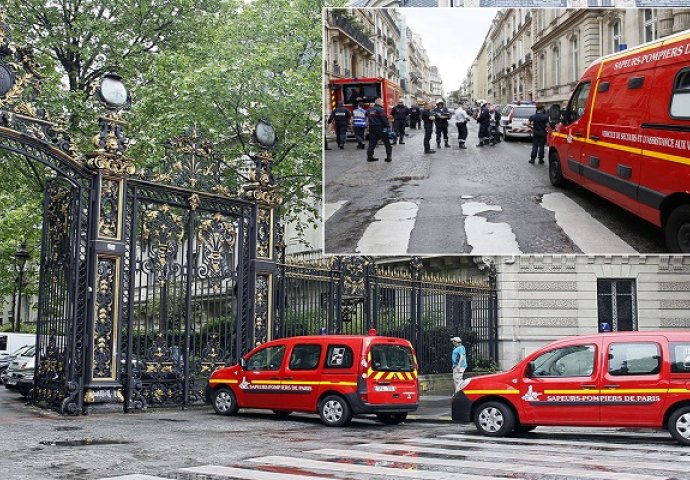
x=473 y=201
x=196 y=444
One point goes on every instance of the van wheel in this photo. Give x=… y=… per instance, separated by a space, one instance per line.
x=677 y=230
x=524 y=428
x=391 y=418
x=494 y=419
x=335 y=411
x=224 y=401
x=555 y=171
x=679 y=425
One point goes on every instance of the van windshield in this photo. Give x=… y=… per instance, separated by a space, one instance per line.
x=391 y=358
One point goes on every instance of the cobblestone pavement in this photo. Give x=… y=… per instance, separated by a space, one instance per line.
x=478 y=200
x=196 y=444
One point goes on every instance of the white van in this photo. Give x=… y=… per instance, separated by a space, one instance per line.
x=10 y=342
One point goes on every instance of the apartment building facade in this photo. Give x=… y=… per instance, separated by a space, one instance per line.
x=540 y=54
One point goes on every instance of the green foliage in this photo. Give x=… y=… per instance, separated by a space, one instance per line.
x=25 y=328
x=223 y=64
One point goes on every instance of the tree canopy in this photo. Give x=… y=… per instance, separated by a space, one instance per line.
x=222 y=64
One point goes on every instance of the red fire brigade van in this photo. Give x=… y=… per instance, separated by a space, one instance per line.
x=347 y=90
x=335 y=376
x=621 y=379
x=624 y=135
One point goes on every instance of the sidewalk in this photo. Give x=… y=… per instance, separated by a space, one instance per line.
x=433 y=408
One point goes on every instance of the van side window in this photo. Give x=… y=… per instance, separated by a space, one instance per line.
x=680 y=98
x=572 y=361
x=680 y=357
x=576 y=107
x=267 y=359
x=634 y=359
x=3 y=342
x=305 y=357
x=339 y=356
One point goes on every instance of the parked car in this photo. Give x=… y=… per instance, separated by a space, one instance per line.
x=620 y=379
x=514 y=120
x=624 y=135
x=11 y=341
x=336 y=376
x=6 y=359
x=20 y=373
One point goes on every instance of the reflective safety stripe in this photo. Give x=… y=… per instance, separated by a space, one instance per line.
x=222 y=380
x=491 y=392
x=635 y=150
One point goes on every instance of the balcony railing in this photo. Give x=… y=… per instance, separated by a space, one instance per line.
x=344 y=24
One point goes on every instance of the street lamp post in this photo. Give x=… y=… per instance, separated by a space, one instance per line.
x=20 y=258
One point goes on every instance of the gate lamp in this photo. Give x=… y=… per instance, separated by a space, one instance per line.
x=265 y=135
x=112 y=92
x=20 y=258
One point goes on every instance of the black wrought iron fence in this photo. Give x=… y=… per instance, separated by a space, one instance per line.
x=342 y=296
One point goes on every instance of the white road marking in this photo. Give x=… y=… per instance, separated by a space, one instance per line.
x=370 y=470
x=583 y=229
x=389 y=233
x=554 y=456
x=488 y=237
x=488 y=465
x=244 y=474
x=473 y=208
x=330 y=208
x=135 y=476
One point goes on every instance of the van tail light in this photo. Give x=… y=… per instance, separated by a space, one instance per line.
x=364 y=397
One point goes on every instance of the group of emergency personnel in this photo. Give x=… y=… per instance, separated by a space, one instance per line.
x=430 y=116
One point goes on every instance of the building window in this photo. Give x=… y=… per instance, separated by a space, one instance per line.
x=574 y=55
x=556 y=67
x=617 y=305
x=542 y=63
x=650 y=27
x=616 y=35
x=600 y=3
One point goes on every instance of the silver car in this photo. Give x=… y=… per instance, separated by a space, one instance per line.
x=514 y=120
x=20 y=374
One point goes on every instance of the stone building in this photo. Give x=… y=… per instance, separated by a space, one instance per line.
x=374 y=42
x=543 y=298
x=435 y=83
x=540 y=54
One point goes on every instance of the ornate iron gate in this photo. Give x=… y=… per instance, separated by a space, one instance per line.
x=351 y=295
x=147 y=283
x=184 y=277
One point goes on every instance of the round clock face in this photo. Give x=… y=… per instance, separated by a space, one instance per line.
x=6 y=80
x=265 y=134
x=113 y=91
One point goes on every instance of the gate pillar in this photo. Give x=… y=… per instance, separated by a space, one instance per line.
x=267 y=241
x=107 y=249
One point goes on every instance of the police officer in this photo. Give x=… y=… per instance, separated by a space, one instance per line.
x=341 y=116
x=442 y=115
x=460 y=117
x=414 y=116
x=378 y=130
x=483 y=118
x=538 y=123
x=428 y=119
x=400 y=113
x=359 y=123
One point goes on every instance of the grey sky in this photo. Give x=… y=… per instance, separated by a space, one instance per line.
x=451 y=36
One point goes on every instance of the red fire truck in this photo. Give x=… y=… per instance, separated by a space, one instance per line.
x=348 y=90
x=624 y=134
